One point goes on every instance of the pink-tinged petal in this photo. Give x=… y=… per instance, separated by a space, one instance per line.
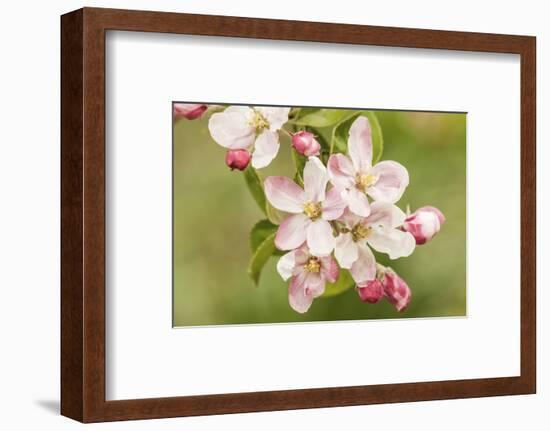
x=298 y=299
x=284 y=194
x=319 y=238
x=333 y=206
x=350 y=219
x=329 y=269
x=341 y=171
x=276 y=117
x=392 y=180
x=360 y=144
x=345 y=250
x=396 y=290
x=314 y=285
x=372 y=291
x=315 y=180
x=292 y=232
x=286 y=264
x=385 y=215
x=265 y=149
x=301 y=256
x=357 y=201
x=189 y=110
x=424 y=224
x=394 y=242
x=231 y=128
x=364 y=268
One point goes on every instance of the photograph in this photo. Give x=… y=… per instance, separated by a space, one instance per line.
x=306 y=214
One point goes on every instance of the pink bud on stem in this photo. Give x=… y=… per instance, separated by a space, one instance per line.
x=189 y=111
x=237 y=159
x=424 y=224
x=306 y=144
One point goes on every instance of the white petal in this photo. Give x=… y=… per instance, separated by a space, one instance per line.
x=385 y=215
x=364 y=268
x=315 y=180
x=319 y=238
x=392 y=180
x=265 y=149
x=393 y=242
x=350 y=219
x=357 y=201
x=333 y=205
x=284 y=194
x=285 y=265
x=292 y=232
x=276 y=117
x=360 y=144
x=345 y=250
x=231 y=129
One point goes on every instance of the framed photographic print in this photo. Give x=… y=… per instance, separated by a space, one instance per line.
x=267 y=215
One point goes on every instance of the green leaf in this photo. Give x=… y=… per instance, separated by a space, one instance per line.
x=319 y=117
x=340 y=135
x=255 y=187
x=299 y=163
x=260 y=232
x=344 y=282
x=260 y=257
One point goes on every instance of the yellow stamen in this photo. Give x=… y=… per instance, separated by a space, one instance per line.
x=364 y=181
x=360 y=232
x=258 y=121
x=313 y=210
x=313 y=265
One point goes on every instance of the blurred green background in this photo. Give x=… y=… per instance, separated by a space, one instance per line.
x=214 y=212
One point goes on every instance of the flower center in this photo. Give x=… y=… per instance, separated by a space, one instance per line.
x=360 y=232
x=364 y=181
x=313 y=265
x=258 y=121
x=313 y=210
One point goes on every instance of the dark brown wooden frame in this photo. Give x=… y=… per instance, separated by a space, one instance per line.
x=83 y=214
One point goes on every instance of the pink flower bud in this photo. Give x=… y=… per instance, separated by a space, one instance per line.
x=396 y=290
x=371 y=291
x=306 y=144
x=188 y=110
x=237 y=159
x=424 y=223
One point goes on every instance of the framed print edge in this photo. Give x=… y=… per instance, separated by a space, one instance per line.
x=83 y=215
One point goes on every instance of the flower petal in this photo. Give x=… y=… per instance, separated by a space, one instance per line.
x=393 y=242
x=284 y=194
x=231 y=128
x=333 y=205
x=392 y=180
x=286 y=264
x=265 y=149
x=319 y=238
x=345 y=250
x=364 y=268
x=360 y=144
x=329 y=269
x=385 y=215
x=341 y=171
x=292 y=232
x=315 y=180
x=276 y=117
x=314 y=285
x=298 y=299
x=350 y=219
x=357 y=202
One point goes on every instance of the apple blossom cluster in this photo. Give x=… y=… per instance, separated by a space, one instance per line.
x=338 y=210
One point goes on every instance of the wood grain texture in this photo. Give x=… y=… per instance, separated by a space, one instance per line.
x=83 y=214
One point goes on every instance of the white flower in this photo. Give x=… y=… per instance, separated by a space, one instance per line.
x=253 y=129
x=311 y=209
x=380 y=230
x=386 y=181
